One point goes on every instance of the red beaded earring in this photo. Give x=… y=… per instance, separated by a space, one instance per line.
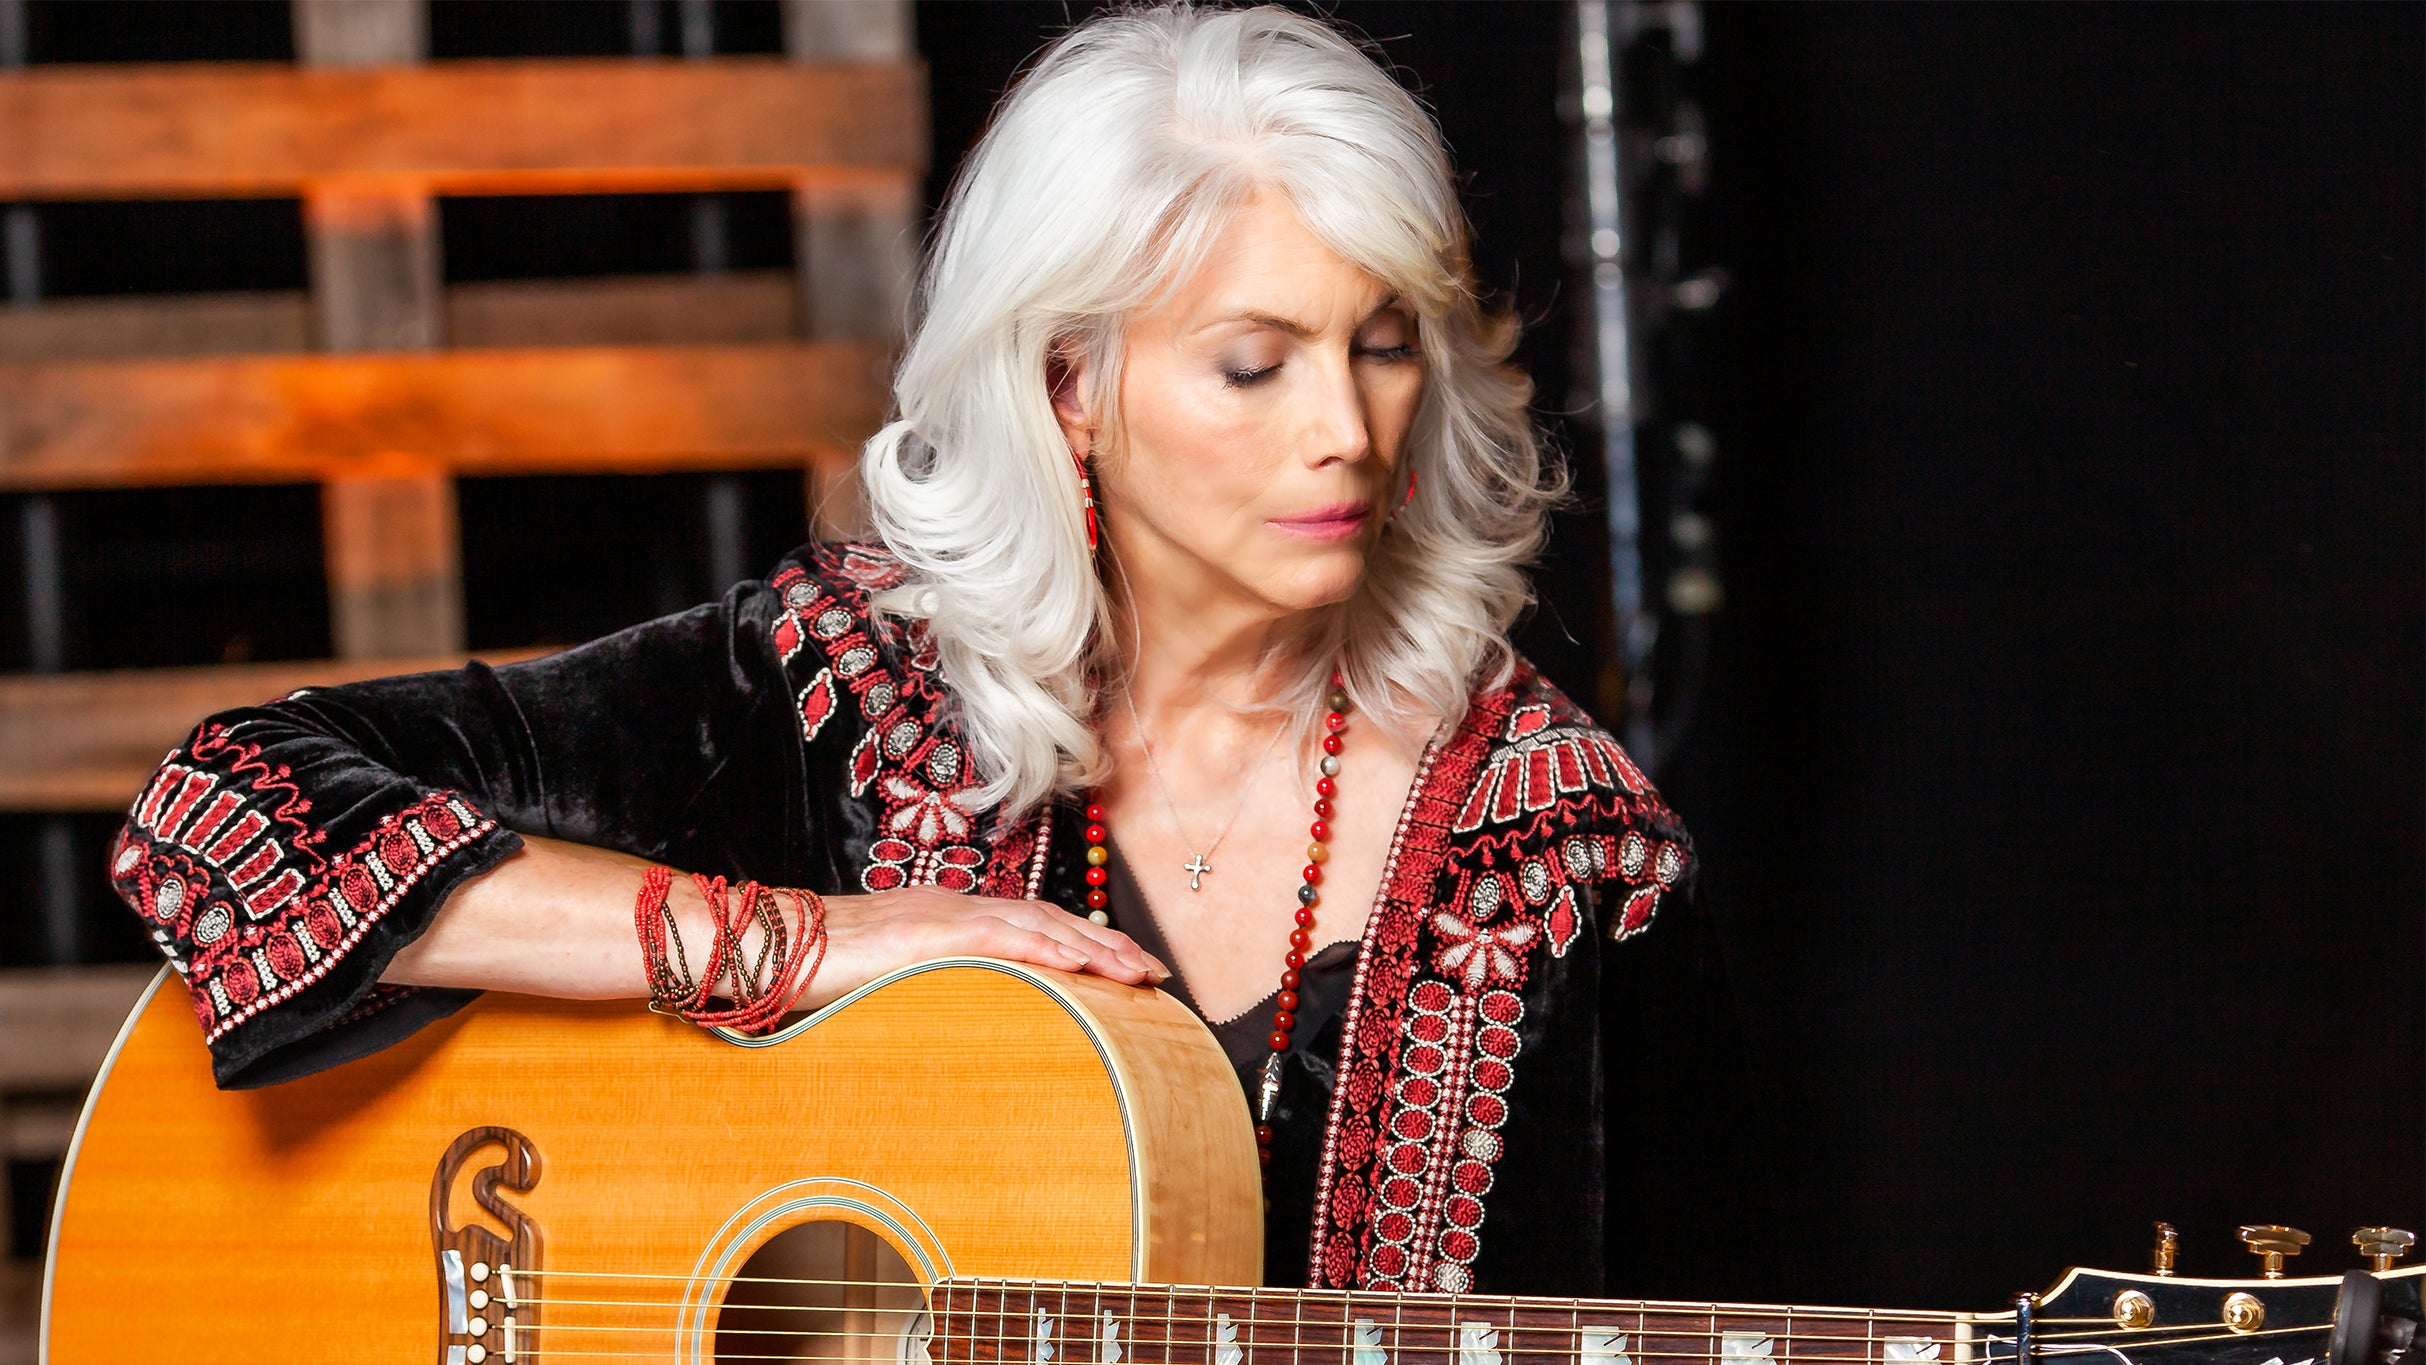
x=1086 y=496
x=1403 y=498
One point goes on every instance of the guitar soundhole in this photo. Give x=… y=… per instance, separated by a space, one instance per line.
x=832 y=1292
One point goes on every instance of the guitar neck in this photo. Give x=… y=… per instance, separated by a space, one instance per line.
x=996 y=1322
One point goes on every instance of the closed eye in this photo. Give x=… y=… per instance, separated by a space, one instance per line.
x=1245 y=378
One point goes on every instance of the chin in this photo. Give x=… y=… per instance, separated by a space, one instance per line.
x=1320 y=579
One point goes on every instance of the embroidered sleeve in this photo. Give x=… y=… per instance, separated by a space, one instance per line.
x=279 y=870
x=286 y=852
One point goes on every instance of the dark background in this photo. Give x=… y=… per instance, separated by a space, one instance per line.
x=2057 y=773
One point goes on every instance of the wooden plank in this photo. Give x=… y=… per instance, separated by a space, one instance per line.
x=857 y=248
x=361 y=32
x=624 y=310
x=20 y=1308
x=157 y=324
x=202 y=129
x=91 y=424
x=394 y=553
x=853 y=31
x=37 y=1129
x=605 y=310
x=56 y=1023
x=89 y=741
x=374 y=264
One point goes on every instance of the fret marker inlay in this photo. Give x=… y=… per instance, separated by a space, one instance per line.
x=1477 y=1344
x=1044 y=1339
x=1226 y=1333
x=1367 y=1340
x=1603 y=1346
x=1110 y=1355
x=1745 y=1348
x=1905 y=1349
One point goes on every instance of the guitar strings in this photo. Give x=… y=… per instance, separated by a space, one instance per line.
x=1294 y=1346
x=1249 y=1320
x=1344 y=1299
x=1106 y=1290
x=1297 y=1341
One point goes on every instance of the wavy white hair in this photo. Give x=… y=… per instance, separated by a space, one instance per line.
x=1108 y=170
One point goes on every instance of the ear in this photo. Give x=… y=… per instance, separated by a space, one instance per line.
x=1066 y=378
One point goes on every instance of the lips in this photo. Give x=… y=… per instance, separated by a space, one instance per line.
x=1335 y=522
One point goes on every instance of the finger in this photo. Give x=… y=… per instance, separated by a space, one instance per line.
x=1111 y=939
x=1101 y=958
x=1010 y=941
x=1082 y=934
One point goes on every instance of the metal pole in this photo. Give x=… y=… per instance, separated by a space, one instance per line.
x=1637 y=631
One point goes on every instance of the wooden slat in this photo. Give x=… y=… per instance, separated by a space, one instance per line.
x=360 y=32
x=606 y=310
x=56 y=1023
x=858 y=249
x=375 y=272
x=37 y=1129
x=568 y=409
x=394 y=553
x=459 y=127
x=88 y=741
x=627 y=310
x=20 y=1309
x=157 y=324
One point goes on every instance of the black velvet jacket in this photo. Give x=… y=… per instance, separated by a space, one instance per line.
x=286 y=852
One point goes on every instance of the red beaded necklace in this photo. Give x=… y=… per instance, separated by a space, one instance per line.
x=1301 y=938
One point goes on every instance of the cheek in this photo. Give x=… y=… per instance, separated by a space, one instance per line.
x=1190 y=445
x=1391 y=399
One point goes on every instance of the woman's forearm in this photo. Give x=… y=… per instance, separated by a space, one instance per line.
x=554 y=919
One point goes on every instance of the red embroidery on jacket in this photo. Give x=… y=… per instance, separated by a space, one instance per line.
x=1483 y=875
x=926 y=831
x=259 y=932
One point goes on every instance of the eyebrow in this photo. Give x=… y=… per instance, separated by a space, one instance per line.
x=1291 y=325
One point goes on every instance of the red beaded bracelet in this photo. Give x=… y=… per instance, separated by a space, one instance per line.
x=760 y=999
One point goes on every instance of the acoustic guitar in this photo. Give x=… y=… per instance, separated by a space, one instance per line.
x=966 y=1163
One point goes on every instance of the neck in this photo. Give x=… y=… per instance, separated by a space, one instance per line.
x=1191 y=646
x=998 y=1322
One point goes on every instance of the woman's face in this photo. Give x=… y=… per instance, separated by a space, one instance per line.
x=1264 y=409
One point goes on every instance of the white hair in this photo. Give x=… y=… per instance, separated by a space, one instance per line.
x=1107 y=172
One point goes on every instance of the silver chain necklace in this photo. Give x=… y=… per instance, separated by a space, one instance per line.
x=1196 y=867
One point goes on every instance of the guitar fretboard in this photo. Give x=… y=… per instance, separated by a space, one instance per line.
x=986 y=1322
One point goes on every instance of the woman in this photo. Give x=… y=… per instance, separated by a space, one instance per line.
x=1200 y=529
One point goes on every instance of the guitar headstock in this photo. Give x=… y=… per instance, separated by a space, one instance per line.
x=2361 y=1317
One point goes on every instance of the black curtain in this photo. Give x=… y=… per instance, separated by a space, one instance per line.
x=2058 y=770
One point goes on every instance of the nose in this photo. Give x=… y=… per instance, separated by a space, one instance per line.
x=1337 y=431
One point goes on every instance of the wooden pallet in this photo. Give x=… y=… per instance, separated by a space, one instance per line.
x=614 y=375
x=383 y=383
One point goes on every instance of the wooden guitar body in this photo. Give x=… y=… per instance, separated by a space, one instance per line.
x=979 y=1118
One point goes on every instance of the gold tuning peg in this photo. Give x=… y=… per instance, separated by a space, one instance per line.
x=2383 y=1246
x=2270 y=1243
x=2168 y=1246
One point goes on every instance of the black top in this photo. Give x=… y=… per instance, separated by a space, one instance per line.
x=1307 y=1078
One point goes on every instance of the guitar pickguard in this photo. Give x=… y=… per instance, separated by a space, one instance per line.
x=483 y=1310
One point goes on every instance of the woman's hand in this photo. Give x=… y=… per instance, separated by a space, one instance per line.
x=868 y=936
